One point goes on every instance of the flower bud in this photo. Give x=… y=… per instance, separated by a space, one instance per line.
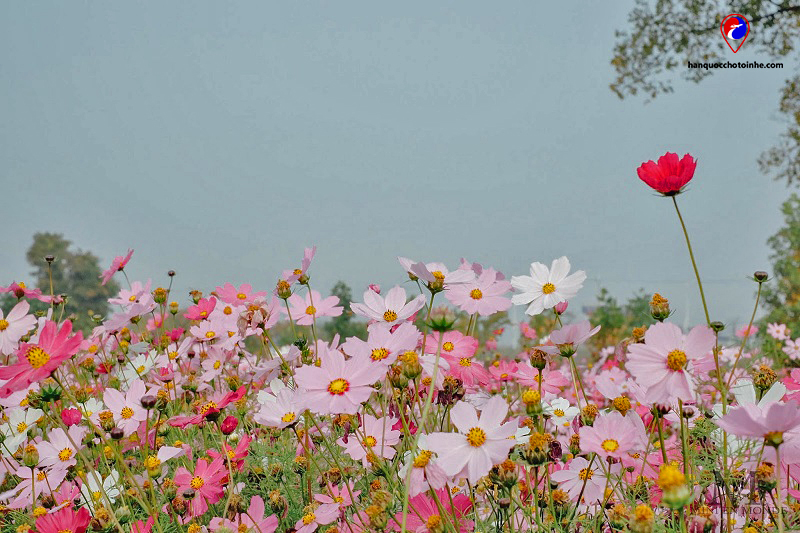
x=676 y=492
x=442 y=319
x=117 y=433
x=760 y=276
x=30 y=456
x=173 y=308
x=642 y=520
x=717 y=326
x=70 y=417
x=160 y=295
x=228 y=425
x=588 y=414
x=375 y=288
x=561 y=307
x=659 y=308
x=283 y=289
x=148 y=401
x=196 y=296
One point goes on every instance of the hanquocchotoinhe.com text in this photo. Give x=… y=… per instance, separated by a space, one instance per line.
x=733 y=64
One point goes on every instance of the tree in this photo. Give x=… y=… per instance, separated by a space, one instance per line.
x=781 y=296
x=666 y=34
x=344 y=324
x=617 y=321
x=75 y=273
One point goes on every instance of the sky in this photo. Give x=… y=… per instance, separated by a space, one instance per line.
x=220 y=139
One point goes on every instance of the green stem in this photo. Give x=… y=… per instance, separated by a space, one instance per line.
x=694 y=263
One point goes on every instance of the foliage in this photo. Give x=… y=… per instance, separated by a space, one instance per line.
x=616 y=321
x=664 y=35
x=781 y=297
x=344 y=325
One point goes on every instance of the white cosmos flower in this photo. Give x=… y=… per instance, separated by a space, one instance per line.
x=560 y=411
x=545 y=288
x=20 y=421
x=92 y=491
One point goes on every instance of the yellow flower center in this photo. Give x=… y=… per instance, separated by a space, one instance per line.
x=448 y=346
x=3 y=324
x=241 y=296
x=216 y=365
x=230 y=454
x=676 y=360
x=585 y=474
x=475 y=294
x=288 y=418
x=338 y=386
x=308 y=518
x=132 y=298
x=40 y=476
x=610 y=445
x=96 y=495
x=37 y=357
x=558 y=412
x=140 y=369
x=465 y=362
x=22 y=426
x=65 y=454
x=207 y=407
x=311 y=310
x=152 y=462
x=548 y=288
x=670 y=477
x=433 y=521
x=390 y=316
x=126 y=413
x=438 y=275
x=228 y=310
x=39 y=511
x=197 y=482
x=379 y=354
x=422 y=460
x=21 y=285
x=476 y=437
x=370 y=441
x=210 y=334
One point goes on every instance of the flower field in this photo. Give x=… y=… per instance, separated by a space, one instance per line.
x=186 y=413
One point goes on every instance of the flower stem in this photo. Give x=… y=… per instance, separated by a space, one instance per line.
x=694 y=263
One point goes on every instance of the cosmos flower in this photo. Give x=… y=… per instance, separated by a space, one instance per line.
x=65 y=519
x=280 y=406
x=375 y=437
x=117 y=265
x=237 y=296
x=58 y=451
x=583 y=477
x=560 y=411
x=424 y=515
x=14 y=326
x=665 y=364
x=670 y=175
x=326 y=513
x=20 y=421
x=425 y=470
x=454 y=344
x=778 y=331
x=305 y=310
x=383 y=345
x=93 y=491
x=480 y=442
x=611 y=435
x=438 y=277
x=544 y=288
x=768 y=422
x=207 y=481
x=390 y=310
x=569 y=337
x=127 y=409
x=337 y=385
x=251 y=521
x=36 y=362
x=483 y=295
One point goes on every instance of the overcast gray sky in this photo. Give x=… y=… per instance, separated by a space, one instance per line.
x=219 y=139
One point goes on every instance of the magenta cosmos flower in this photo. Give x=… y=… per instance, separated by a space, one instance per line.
x=611 y=435
x=65 y=519
x=389 y=310
x=664 y=364
x=304 y=310
x=425 y=515
x=480 y=442
x=337 y=386
x=207 y=482
x=117 y=265
x=670 y=175
x=14 y=325
x=36 y=362
x=483 y=295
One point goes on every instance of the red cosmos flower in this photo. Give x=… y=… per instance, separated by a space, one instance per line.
x=70 y=417
x=235 y=455
x=669 y=175
x=66 y=519
x=36 y=362
x=117 y=265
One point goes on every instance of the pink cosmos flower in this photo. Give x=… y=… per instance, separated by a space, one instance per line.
x=293 y=275
x=454 y=344
x=207 y=482
x=792 y=348
x=64 y=520
x=527 y=331
x=231 y=295
x=36 y=362
x=425 y=470
x=236 y=455
x=58 y=451
x=304 y=311
x=128 y=411
x=36 y=479
x=480 y=442
x=581 y=473
x=253 y=520
x=117 y=265
x=750 y=420
x=14 y=326
x=778 y=331
x=383 y=345
x=552 y=380
x=665 y=364
x=611 y=435
x=376 y=436
x=218 y=401
x=202 y=309
x=135 y=294
x=438 y=274
x=337 y=386
x=326 y=513
x=569 y=337
x=280 y=407
x=141 y=526
x=467 y=369
x=670 y=175
x=424 y=514
x=390 y=310
x=744 y=332
x=339 y=495
x=483 y=295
